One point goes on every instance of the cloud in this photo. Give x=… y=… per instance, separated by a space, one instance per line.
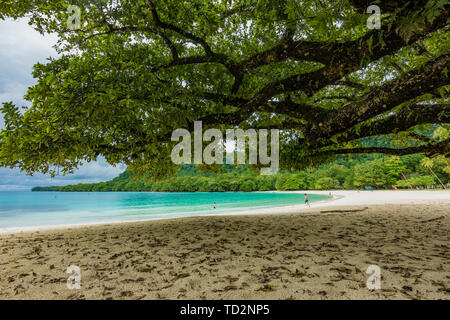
x=14 y=179
x=20 y=48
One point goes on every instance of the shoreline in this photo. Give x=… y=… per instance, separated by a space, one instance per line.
x=307 y=254
x=345 y=198
x=265 y=210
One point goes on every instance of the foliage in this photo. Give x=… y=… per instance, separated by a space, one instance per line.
x=346 y=172
x=418 y=181
x=326 y=183
x=136 y=70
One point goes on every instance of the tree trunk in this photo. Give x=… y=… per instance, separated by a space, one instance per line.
x=437 y=177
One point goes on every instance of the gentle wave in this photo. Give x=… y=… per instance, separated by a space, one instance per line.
x=36 y=209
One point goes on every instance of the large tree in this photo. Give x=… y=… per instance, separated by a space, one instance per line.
x=135 y=70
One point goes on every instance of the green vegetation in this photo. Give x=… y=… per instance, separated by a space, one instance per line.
x=375 y=170
x=133 y=71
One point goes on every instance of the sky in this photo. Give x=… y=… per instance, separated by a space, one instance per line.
x=20 y=48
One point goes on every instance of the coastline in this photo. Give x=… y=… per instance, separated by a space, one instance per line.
x=246 y=211
x=344 y=198
x=304 y=254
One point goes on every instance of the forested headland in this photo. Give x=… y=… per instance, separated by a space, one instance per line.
x=354 y=172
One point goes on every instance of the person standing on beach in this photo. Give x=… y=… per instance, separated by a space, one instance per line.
x=307 y=200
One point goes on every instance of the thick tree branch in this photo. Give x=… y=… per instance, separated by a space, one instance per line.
x=388 y=6
x=381 y=99
x=178 y=30
x=400 y=120
x=442 y=147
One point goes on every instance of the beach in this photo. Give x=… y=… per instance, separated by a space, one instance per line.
x=291 y=252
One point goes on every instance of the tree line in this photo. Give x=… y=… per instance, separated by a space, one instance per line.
x=352 y=172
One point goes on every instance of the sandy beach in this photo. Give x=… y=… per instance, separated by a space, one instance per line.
x=293 y=252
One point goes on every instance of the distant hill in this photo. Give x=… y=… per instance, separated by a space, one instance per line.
x=378 y=171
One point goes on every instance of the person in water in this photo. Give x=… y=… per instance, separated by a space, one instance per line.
x=214 y=206
x=307 y=200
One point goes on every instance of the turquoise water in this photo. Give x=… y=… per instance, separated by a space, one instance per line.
x=35 y=209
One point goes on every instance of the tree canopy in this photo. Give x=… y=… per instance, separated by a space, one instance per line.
x=136 y=70
x=354 y=172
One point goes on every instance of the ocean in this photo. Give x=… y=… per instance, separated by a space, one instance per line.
x=41 y=209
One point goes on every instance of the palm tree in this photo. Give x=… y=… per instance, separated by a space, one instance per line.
x=428 y=163
x=404 y=177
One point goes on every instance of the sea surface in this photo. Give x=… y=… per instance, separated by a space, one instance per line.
x=23 y=209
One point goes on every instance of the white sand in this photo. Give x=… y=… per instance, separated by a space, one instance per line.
x=340 y=198
x=302 y=253
x=358 y=198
